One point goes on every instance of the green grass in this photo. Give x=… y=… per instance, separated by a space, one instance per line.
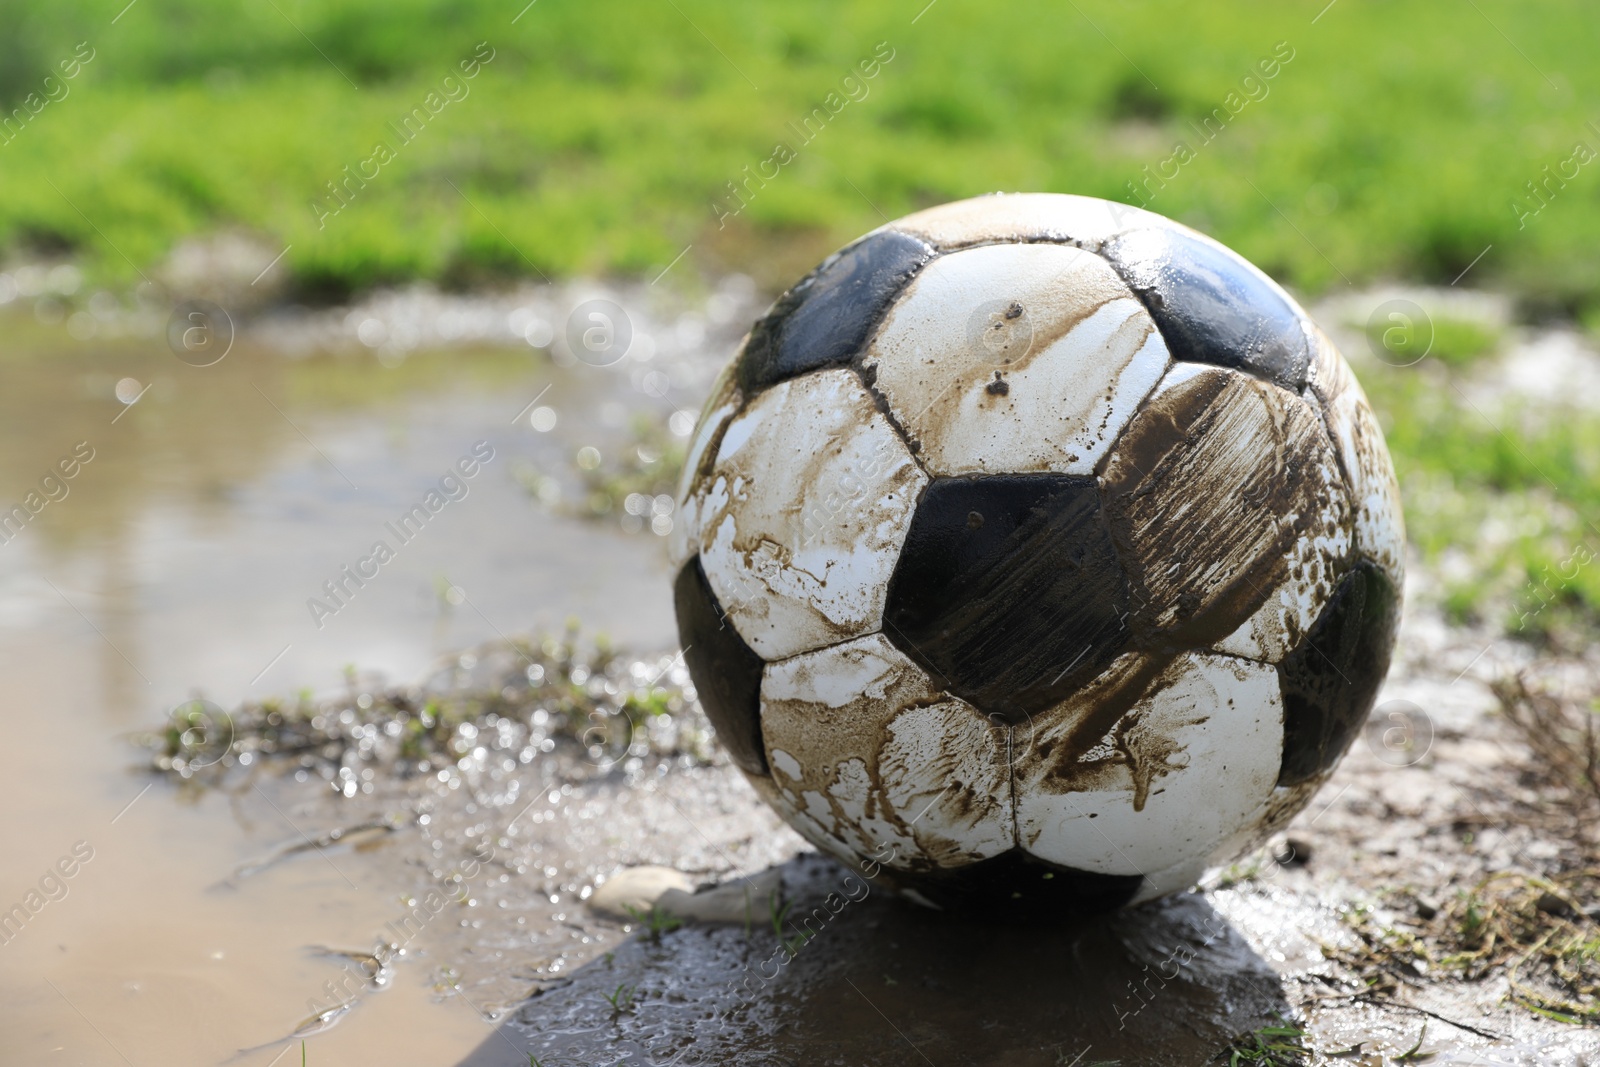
x=1459 y=342
x=655 y=921
x=779 y=916
x=1455 y=342
x=600 y=136
x=621 y=1000
x=1269 y=1046
x=1511 y=491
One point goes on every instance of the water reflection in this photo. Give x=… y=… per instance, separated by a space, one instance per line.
x=178 y=564
x=282 y=466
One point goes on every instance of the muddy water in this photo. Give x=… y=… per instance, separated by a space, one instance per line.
x=180 y=562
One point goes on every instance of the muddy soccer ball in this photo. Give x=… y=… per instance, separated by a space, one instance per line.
x=1040 y=550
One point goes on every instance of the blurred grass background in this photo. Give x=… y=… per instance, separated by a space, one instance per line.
x=1398 y=141
x=597 y=140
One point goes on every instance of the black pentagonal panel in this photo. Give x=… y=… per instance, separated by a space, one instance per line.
x=1330 y=682
x=1009 y=591
x=827 y=318
x=1018 y=887
x=726 y=672
x=1211 y=307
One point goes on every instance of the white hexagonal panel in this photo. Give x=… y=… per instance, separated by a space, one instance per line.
x=1024 y=217
x=1316 y=563
x=806 y=508
x=1276 y=813
x=873 y=755
x=1016 y=358
x=1188 y=764
x=1380 y=530
x=719 y=407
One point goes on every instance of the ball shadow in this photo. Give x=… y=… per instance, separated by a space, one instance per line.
x=859 y=976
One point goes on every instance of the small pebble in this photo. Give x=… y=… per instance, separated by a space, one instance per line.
x=637 y=888
x=738 y=900
x=635 y=891
x=1551 y=904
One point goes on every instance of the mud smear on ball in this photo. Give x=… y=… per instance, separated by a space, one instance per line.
x=1085 y=720
x=1208 y=491
x=1072 y=365
x=868 y=751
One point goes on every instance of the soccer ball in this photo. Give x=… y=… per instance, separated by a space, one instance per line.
x=1039 y=552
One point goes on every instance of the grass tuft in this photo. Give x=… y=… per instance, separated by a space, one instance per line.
x=792 y=943
x=1563 y=734
x=1269 y=1046
x=1539 y=934
x=621 y=999
x=590 y=707
x=655 y=921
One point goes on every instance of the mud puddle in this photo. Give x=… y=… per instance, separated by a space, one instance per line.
x=176 y=563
